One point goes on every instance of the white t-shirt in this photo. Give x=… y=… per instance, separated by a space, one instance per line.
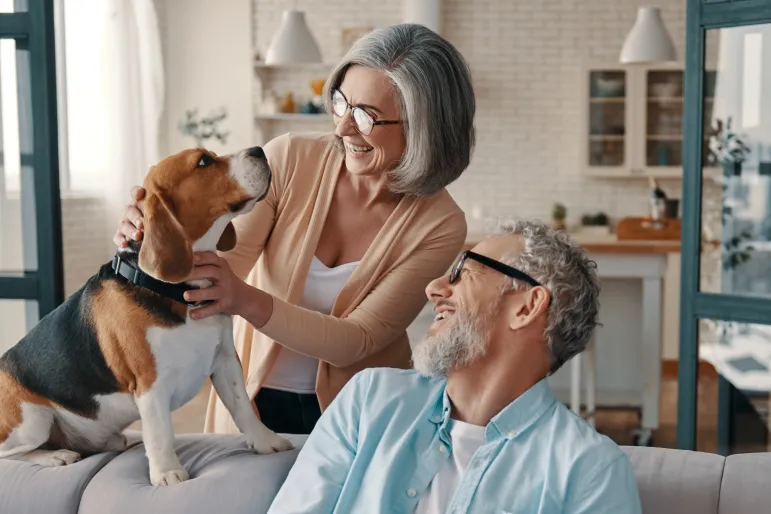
x=294 y=371
x=466 y=440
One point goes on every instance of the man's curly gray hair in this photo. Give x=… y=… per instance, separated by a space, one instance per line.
x=563 y=267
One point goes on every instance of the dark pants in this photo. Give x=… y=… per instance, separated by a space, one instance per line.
x=288 y=413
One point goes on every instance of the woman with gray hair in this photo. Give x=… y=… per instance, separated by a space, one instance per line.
x=329 y=269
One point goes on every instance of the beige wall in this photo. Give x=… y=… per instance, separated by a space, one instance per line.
x=208 y=57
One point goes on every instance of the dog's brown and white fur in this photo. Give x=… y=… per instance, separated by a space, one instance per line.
x=114 y=352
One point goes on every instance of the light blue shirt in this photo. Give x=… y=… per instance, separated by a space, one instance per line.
x=379 y=444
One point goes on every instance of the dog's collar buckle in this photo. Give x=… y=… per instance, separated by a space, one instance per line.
x=141 y=279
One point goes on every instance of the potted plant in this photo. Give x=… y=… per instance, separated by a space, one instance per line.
x=558 y=214
x=727 y=148
x=205 y=128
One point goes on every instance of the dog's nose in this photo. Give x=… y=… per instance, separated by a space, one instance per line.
x=256 y=152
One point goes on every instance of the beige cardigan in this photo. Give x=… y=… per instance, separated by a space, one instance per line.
x=385 y=293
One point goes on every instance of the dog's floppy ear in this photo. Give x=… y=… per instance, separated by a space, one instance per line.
x=166 y=253
x=228 y=239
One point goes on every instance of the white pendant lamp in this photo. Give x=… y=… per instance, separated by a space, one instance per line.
x=648 y=41
x=424 y=12
x=293 y=43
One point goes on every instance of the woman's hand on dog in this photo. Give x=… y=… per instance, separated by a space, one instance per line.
x=228 y=294
x=131 y=226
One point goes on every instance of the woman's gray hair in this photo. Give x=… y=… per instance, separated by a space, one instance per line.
x=435 y=100
x=554 y=260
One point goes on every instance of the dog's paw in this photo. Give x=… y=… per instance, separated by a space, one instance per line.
x=53 y=458
x=267 y=441
x=168 y=477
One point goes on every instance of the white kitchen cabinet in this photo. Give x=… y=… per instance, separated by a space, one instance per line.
x=633 y=120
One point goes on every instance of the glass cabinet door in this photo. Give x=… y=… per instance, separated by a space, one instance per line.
x=607 y=120
x=663 y=145
x=664 y=118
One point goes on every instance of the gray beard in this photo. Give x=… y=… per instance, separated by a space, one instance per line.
x=457 y=346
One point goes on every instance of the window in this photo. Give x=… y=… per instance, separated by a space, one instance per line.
x=83 y=122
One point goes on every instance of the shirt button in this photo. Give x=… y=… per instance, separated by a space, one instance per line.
x=511 y=435
x=411 y=493
x=437 y=419
x=442 y=449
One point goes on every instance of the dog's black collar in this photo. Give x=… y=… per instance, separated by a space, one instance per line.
x=142 y=279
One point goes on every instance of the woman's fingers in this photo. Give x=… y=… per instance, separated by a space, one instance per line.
x=206 y=311
x=119 y=240
x=137 y=193
x=207 y=272
x=204 y=258
x=212 y=294
x=129 y=231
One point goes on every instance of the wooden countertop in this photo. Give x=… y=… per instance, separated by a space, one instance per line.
x=605 y=244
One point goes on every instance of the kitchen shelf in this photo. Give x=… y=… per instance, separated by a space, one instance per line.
x=280 y=79
x=294 y=66
x=286 y=116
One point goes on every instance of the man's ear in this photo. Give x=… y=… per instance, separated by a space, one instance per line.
x=166 y=253
x=228 y=238
x=528 y=306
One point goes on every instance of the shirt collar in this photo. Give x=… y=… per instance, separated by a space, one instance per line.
x=514 y=419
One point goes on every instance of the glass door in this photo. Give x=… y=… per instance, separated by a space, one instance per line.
x=31 y=270
x=726 y=242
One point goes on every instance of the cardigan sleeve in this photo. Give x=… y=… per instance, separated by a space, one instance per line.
x=379 y=319
x=253 y=229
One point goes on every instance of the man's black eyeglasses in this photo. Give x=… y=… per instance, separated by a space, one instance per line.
x=491 y=263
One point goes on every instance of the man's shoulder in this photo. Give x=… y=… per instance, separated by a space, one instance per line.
x=382 y=380
x=583 y=442
x=383 y=385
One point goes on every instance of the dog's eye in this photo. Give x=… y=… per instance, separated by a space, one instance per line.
x=206 y=160
x=237 y=206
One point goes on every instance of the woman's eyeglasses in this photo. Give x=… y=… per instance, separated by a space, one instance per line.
x=362 y=119
x=490 y=263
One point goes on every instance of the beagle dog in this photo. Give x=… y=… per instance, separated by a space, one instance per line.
x=123 y=347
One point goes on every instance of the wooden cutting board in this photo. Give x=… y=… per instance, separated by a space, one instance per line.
x=647 y=229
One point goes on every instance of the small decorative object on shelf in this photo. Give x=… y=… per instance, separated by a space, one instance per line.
x=595 y=224
x=316 y=104
x=658 y=200
x=558 y=214
x=287 y=104
x=269 y=104
x=205 y=128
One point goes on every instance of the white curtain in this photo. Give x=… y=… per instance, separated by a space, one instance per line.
x=134 y=82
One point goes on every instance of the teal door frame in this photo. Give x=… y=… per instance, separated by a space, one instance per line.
x=33 y=31
x=702 y=15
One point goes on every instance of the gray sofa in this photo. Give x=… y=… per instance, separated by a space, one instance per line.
x=227 y=478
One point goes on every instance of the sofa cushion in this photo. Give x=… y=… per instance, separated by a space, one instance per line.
x=225 y=476
x=31 y=489
x=676 y=481
x=745 y=484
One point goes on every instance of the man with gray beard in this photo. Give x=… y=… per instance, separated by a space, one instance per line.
x=474 y=428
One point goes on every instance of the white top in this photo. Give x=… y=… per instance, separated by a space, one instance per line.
x=294 y=371
x=466 y=440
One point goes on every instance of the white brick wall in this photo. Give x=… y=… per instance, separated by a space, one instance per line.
x=87 y=234
x=525 y=59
